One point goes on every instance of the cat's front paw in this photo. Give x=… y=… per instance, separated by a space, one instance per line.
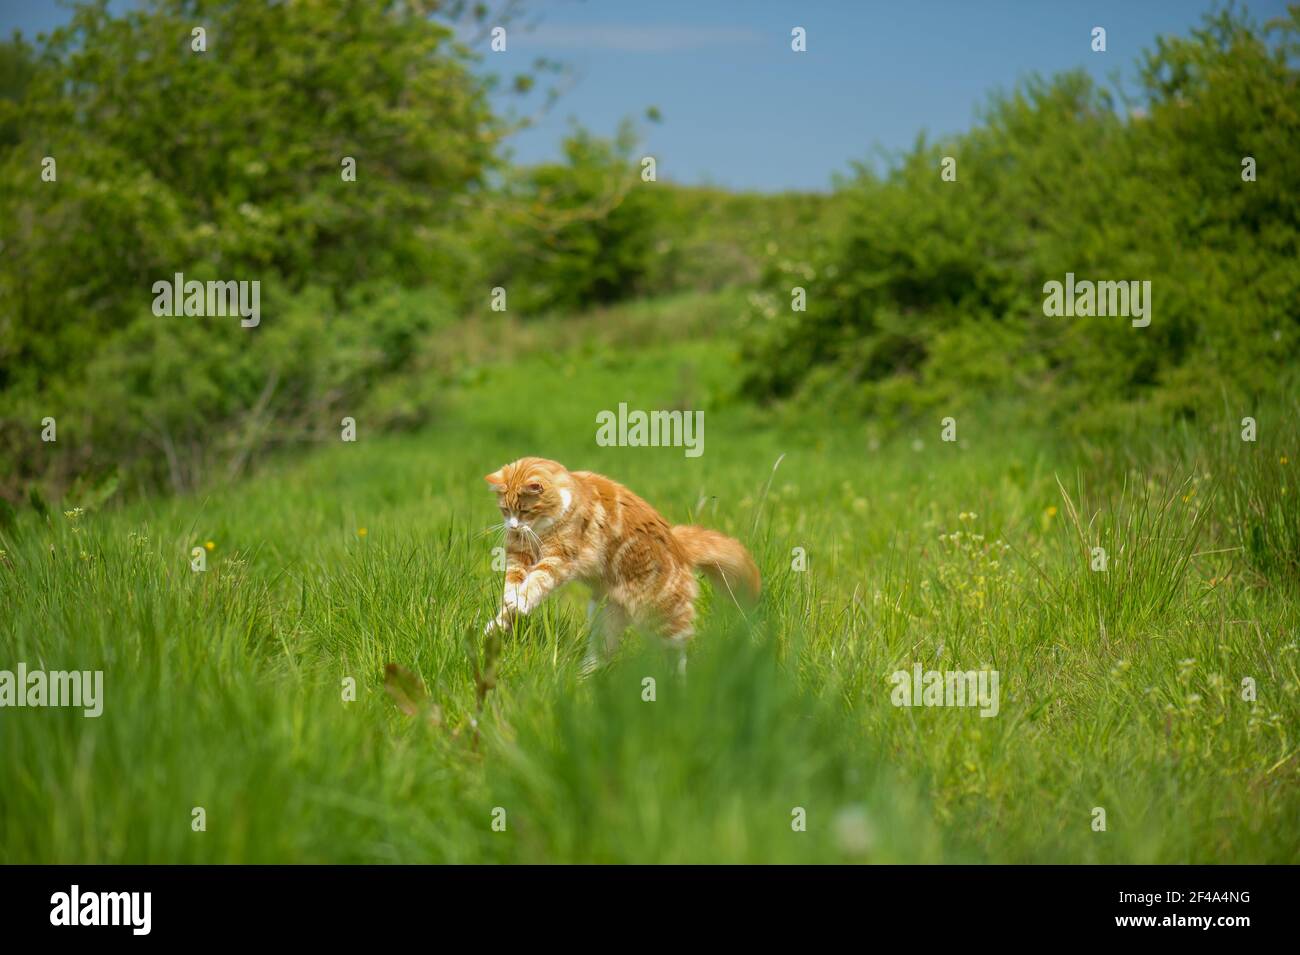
x=517 y=599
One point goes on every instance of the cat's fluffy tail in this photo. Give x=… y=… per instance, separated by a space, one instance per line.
x=723 y=558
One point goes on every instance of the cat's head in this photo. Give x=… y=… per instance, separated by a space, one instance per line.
x=533 y=493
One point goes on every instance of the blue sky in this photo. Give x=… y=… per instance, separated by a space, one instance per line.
x=741 y=110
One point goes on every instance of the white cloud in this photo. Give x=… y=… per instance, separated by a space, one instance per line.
x=632 y=39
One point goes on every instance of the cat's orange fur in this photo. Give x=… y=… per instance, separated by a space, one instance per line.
x=564 y=525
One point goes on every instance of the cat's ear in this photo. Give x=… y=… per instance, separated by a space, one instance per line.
x=533 y=487
x=497 y=479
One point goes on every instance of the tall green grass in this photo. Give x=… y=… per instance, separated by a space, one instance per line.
x=1260 y=485
x=225 y=689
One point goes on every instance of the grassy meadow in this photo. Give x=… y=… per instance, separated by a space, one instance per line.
x=224 y=689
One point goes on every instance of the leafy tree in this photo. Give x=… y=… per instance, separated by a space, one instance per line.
x=221 y=159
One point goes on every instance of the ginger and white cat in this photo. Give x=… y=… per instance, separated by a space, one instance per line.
x=566 y=525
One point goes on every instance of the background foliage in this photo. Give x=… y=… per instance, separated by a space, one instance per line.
x=927 y=294
x=227 y=165
x=923 y=295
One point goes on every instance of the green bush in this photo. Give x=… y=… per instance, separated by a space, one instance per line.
x=589 y=231
x=928 y=293
x=223 y=164
x=184 y=400
x=578 y=233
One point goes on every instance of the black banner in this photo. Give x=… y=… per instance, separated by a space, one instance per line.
x=1225 y=904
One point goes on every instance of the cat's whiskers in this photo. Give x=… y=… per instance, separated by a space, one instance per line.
x=490 y=529
x=532 y=534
